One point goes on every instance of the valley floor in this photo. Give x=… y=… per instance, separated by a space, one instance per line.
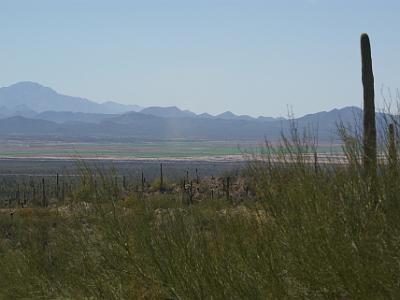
x=203 y=150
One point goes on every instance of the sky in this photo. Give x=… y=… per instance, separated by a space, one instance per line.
x=247 y=56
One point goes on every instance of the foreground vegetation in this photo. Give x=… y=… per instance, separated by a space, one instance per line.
x=287 y=230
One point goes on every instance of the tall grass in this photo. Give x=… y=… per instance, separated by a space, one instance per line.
x=309 y=230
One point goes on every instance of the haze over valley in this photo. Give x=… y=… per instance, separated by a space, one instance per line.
x=30 y=110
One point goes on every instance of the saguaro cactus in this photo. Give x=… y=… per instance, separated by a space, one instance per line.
x=57 y=187
x=369 y=134
x=161 y=179
x=44 y=200
x=227 y=188
x=143 y=180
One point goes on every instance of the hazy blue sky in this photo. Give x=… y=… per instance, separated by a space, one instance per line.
x=248 y=56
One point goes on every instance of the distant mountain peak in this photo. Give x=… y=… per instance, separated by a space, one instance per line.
x=167 y=112
x=41 y=98
x=206 y=116
x=27 y=84
x=30 y=86
x=226 y=115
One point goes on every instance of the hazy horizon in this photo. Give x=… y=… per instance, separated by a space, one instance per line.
x=253 y=58
x=289 y=112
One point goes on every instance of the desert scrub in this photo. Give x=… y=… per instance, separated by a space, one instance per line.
x=308 y=230
x=307 y=233
x=338 y=238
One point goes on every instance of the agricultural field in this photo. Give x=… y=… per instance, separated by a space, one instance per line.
x=146 y=150
x=137 y=150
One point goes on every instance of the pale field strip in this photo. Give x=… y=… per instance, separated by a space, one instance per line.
x=322 y=158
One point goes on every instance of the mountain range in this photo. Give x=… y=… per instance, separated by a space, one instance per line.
x=28 y=99
x=33 y=96
x=28 y=109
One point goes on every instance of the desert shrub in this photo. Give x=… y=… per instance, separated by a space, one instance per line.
x=311 y=230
